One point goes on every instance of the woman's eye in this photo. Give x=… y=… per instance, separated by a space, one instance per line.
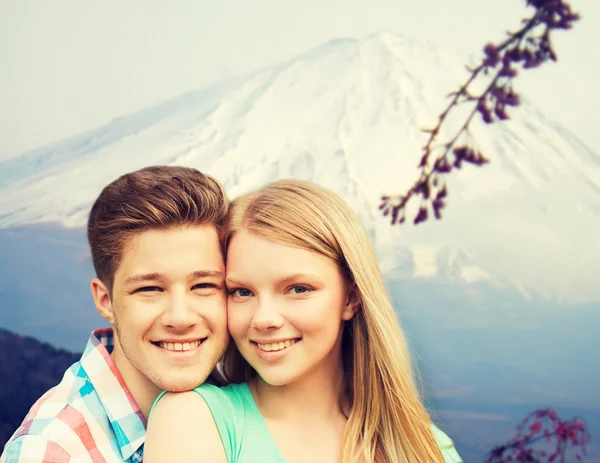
x=300 y=289
x=240 y=292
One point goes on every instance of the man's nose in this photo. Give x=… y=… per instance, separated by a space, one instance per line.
x=179 y=314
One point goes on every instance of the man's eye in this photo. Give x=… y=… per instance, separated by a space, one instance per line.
x=204 y=286
x=240 y=292
x=147 y=289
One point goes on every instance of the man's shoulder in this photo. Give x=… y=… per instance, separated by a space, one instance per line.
x=62 y=423
x=33 y=448
x=68 y=395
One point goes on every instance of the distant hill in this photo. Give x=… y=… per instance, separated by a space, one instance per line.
x=28 y=368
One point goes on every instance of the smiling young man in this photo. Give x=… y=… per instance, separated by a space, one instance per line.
x=154 y=239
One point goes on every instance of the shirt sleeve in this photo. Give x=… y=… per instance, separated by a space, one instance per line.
x=446 y=446
x=31 y=448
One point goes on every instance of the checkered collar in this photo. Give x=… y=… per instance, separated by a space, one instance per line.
x=126 y=418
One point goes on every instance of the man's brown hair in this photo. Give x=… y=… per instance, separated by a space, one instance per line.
x=156 y=197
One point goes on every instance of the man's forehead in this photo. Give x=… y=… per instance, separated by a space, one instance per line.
x=204 y=238
x=182 y=250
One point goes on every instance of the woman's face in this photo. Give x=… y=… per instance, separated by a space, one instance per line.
x=286 y=307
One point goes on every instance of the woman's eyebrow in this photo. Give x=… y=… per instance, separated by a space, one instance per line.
x=232 y=282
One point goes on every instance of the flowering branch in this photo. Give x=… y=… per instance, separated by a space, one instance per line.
x=543 y=426
x=527 y=48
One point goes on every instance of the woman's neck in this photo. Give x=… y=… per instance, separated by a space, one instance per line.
x=320 y=394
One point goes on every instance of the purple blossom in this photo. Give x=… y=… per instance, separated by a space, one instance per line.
x=527 y=48
x=569 y=436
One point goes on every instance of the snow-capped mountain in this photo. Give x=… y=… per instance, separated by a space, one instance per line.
x=348 y=115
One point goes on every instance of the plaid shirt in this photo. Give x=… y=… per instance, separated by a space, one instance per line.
x=90 y=416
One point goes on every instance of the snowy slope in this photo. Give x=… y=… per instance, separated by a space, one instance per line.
x=348 y=115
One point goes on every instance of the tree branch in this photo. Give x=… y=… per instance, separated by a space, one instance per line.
x=527 y=48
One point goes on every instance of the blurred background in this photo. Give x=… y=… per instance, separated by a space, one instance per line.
x=500 y=299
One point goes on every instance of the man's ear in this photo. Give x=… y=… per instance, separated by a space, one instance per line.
x=101 y=296
x=352 y=303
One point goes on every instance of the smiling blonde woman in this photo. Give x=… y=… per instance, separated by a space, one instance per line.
x=319 y=366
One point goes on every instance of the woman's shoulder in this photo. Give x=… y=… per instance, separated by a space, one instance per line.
x=226 y=404
x=182 y=424
x=232 y=404
x=446 y=445
x=234 y=394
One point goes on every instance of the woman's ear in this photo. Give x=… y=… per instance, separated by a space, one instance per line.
x=101 y=296
x=352 y=303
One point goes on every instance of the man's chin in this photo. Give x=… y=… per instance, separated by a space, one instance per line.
x=180 y=386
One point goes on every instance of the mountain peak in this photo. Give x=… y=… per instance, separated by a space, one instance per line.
x=349 y=115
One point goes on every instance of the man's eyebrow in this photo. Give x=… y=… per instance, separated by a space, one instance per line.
x=141 y=277
x=206 y=273
x=155 y=276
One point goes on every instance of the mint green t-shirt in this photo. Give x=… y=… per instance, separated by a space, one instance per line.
x=244 y=432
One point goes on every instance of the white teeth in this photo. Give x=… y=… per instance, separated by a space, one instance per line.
x=178 y=346
x=276 y=346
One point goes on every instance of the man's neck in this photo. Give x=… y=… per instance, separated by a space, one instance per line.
x=143 y=391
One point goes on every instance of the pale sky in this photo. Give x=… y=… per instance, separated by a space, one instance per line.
x=68 y=66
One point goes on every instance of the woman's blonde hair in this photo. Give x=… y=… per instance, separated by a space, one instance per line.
x=387 y=422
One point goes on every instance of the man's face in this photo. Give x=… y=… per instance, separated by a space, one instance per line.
x=168 y=309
